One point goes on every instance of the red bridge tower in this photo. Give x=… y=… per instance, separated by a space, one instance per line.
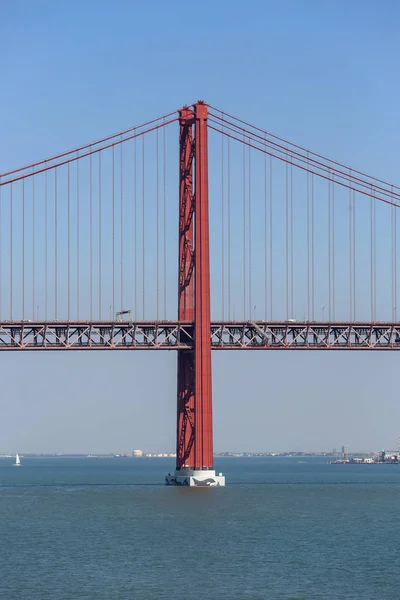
x=194 y=437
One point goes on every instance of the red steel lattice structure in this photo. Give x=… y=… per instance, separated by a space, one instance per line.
x=194 y=440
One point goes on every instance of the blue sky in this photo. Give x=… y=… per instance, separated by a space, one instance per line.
x=320 y=74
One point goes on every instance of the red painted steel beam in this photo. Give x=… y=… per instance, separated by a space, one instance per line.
x=185 y=432
x=194 y=438
x=186 y=210
x=203 y=446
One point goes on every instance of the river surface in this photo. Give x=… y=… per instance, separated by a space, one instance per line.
x=105 y=529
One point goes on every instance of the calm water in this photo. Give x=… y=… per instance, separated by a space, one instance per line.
x=108 y=529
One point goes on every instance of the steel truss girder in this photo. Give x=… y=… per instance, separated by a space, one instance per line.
x=175 y=335
x=305 y=336
x=98 y=335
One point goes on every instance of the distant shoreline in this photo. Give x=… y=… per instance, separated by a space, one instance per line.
x=172 y=455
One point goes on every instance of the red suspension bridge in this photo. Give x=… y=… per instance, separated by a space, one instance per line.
x=300 y=253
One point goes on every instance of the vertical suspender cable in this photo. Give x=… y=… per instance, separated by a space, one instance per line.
x=135 y=225
x=45 y=248
x=157 y=231
x=270 y=237
x=143 y=232
x=329 y=251
x=350 y=255
x=100 y=245
x=229 y=229
x=371 y=258
x=165 y=219
x=1 y=253
x=113 y=231
x=69 y=242
x=244 y=231
x=10 y=253
x=250 y=236
x=78 y=229
x=91 y=233
x=56 y=247
x=33 y=249
x=222 y=229
x=265 y=239
x=312 y=252
x=374 y=207
x=394 y=265
x=11 y=250
x=354 y=258
x=308 y=242
x=23 y=249
x=135 y=250
x=333 y=252
x=291 y=244
x=121 y=215
x=287 y=238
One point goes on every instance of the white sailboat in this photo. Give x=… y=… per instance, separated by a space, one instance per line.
x=17 y=461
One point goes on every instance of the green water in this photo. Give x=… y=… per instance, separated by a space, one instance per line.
x=108 y=529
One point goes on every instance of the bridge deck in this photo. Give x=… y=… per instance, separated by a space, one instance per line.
x=174 y=335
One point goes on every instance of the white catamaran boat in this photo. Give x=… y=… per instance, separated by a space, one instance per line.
x=17 y=461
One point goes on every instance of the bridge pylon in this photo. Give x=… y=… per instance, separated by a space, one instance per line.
x=194 y=434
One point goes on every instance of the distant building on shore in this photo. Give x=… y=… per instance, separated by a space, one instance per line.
x=160 y=455
x=137 y=453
